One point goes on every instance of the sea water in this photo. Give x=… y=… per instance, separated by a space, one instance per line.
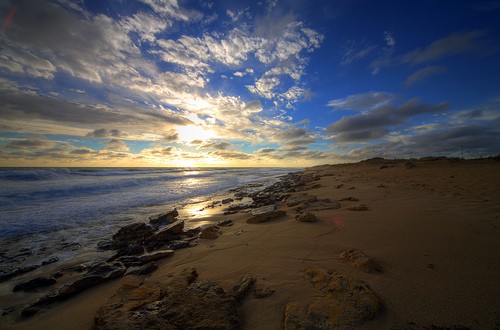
x=45 y=211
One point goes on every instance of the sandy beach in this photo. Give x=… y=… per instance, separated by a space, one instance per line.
x=427 y=231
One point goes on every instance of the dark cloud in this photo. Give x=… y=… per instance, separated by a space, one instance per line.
x=362 y=101
x=302 y=141
x=293 y=148
x=293 y=133
x=215 y=145
x=196 y=142
x=226 y=154
x=375 y=123
x=171 y=136
x=82 y=151
x=104 y=133
x=266 y=150
x=29 y=144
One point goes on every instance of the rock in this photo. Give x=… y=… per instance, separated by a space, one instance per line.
x=265 y=213
x=353 y=199
x=30 y=311
x=148 y=257
x=358 y=259
x=179 y=244
x=300 y=199
x=135 y=232
x=170 y=232
x=142 y=270
x=131 y=250
x=50 y=261
x=225 y=223
x=241 y=288
x=181 y=304
x=346 y=303
x=210 y=232
x=227 y=201
x=168 y=217
x=361 y=207
x=261 y=291
x=306 y=217
x=105 y=245
x=4 y=276
x=34 y=284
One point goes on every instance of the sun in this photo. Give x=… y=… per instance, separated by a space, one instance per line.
x=192 y=132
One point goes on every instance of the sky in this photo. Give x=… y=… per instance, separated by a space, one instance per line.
x=246 y=83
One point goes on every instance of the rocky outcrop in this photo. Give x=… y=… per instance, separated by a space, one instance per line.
x=358 y=259
x=135 y=232
x=318 y=205
x=210 y=232
x=265 y=213
x=345 y=304
x=181 y=304
x=142 y=270
x=225 y=223
x=167 y=217
x=38 y=282
x=241 y=288
x=170 y=232
x=300 y=199
x=306 y=217
x=361 y=207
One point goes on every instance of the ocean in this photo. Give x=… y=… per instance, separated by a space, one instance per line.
x=47 y=211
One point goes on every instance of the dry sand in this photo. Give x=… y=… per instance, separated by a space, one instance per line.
x=434 y=227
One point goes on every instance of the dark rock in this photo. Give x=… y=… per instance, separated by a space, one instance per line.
x=352 y=199
x=148 y=257
x=170 y=232
x=57 y=275
x=241 y=288
x=306 y=217
x=227 y=201
x=74 y=246
x=34 y=284
x=230 y=212
x=167 y=217
x=300 y=199
x=142 y=270
x=50 y=261
x=179 y=244
x=210 y=232
x=225 y=223
x=265 y=213
x=129 y=261
x=318 y=205
x=4 y=276
x=135 y=232
x=30 y=311
x=105 y=245
x=131 y=250
x=358 y=259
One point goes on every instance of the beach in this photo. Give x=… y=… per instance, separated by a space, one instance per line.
x=390 y=244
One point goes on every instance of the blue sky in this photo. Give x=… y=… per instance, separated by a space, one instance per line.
x=246 y=83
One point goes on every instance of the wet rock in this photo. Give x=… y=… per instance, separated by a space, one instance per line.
x=142 y=270
x=6 y=275
x=72 y=246
x=241 y=288
x=182 y=304
x=346 y=303
x=148 y=257
x=210 y=232
x=135 y=232
x=167 y=217
x=169 y=233
x=361 y=207
x=306 y=217
x=358 y=259
x=179 y=244
x=352 y=199
x=227 y=201
x=265 y=213
x=105 y=245
x=50 y=261
x=225 y=223
x=300 y=199
x=38 y=282
x=30 y=311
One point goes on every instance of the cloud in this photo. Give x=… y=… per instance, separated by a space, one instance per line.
x=82 y=151
x=293 y=133
x=454 y=44
x=375 y=123
x=265 y=150
x=353 y=51
x=424 y=73
x=215 y=145
x=389 y=39
x=145 y=25
x=171 y=136
x=104 y=133
x=29 y=144
x=363 y=101
x=115 y=144
x=225 y=154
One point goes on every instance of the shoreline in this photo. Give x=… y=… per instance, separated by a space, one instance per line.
x=428 y=224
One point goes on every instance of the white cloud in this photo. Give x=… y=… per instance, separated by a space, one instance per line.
x=389 y=39
x=423 y=73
